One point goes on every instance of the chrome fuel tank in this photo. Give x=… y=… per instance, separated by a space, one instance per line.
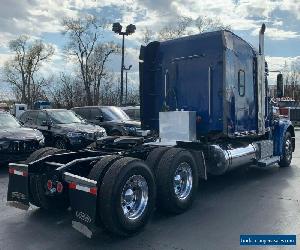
x=221 y=160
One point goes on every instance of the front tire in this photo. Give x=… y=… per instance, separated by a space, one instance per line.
x=287 y=151
x=128 y=196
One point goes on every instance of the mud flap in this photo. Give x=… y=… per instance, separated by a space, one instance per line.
x=200 y=161
x=83 y=201
x=17 y=194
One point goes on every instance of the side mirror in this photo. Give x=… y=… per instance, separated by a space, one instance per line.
x=279 y=85
x=99 y=118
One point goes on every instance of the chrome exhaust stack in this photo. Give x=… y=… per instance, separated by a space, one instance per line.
x=262 y=39
x=261 y=88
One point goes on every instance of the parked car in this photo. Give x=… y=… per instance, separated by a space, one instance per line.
x=113 y=119
x=62 y=128
x=4 y=107
x=17 y=142
x=133 y=112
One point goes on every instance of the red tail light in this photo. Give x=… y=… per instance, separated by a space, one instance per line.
x=93 y=191
x=59 y=187
x=49 y=185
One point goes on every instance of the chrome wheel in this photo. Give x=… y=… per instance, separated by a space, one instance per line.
x=134 y=197
x=183 y=181
x=288 y=150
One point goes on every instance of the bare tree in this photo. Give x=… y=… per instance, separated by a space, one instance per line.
x=176 y=29
x=204 y=24
x=292 y=82
x=183 y=26
x=98 y=60
x=21 y=70
x=84 y=44
x=66 y=91
x=148 y=36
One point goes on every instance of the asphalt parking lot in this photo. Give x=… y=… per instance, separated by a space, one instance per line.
x=246 y=201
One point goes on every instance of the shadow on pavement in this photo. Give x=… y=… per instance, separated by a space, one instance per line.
x=42 y=226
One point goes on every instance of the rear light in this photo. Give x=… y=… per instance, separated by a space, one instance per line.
x=59 y=187
x=49 y=185
x=72 y=185
x=17 y=172
x=93 y=191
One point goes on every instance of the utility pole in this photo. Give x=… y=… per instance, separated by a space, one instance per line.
x=126 y=83
x=130 y=29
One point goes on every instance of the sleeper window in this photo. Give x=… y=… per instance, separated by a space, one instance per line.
x=241 y=85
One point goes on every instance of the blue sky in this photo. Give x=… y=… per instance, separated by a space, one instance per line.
x=41 y=19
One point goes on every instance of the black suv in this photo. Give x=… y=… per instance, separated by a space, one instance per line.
x=133 y=112
x=17 y=142
x=62 y=128
x=113 y=119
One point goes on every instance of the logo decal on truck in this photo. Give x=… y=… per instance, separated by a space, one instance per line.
x=83 y=216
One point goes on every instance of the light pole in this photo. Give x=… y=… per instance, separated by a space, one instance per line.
x=130 y=29
x=126 y=69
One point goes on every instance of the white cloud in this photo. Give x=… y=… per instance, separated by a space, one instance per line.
x=292 y=6
x=277 y=23
x=4 y=57
x=278 y=34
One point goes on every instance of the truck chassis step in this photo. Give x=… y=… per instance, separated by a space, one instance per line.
x=268 y=161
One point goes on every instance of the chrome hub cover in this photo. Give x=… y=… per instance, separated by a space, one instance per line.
x=134 y=197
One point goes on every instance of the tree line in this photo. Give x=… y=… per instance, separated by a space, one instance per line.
x=291 y=75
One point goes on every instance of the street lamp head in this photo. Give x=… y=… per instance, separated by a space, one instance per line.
x=130 y=29
x=117 y=28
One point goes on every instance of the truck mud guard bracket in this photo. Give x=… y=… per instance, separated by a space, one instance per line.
x=18 y=193
x=83 y=200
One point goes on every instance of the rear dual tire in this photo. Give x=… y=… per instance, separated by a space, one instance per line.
x=155 y=156
x=126 y=194
x=177 y=181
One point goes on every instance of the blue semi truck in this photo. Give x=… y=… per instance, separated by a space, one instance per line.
x=206 y=96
